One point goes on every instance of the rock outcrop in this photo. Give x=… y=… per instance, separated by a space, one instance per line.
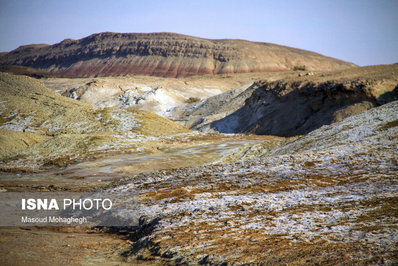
x=164 y=54
x=294 y=106
x=153 y=94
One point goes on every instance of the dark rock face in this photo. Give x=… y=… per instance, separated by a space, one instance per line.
x=288 y=109
x=285 y=109
x=295 y=105
x=163 y=54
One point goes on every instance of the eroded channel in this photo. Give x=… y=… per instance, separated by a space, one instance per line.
x=110 y=167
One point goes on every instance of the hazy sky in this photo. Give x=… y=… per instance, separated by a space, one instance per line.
x=364 y=32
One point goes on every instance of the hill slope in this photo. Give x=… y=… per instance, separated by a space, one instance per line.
x=40 y=127
x=293 y=105
x=329 y=197
x=163 y=54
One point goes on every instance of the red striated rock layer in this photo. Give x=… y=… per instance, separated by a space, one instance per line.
x=163 y=54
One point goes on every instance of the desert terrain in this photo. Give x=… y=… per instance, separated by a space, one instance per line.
x=297 y=166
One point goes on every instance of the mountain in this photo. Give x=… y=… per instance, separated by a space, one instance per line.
x=163 y=54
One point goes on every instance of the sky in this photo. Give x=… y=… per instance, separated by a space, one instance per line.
x=364 y=32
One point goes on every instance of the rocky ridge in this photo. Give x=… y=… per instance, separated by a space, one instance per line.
x=163 y=54
x=293 y=105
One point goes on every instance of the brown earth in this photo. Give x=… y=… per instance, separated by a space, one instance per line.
x=28 y=71
x=164 y=54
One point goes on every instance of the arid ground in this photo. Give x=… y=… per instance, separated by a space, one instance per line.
x=297 y=167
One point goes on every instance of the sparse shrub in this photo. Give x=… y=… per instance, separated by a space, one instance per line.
x=299 y=68
x=389 y=125
x=192 y=100
x=309 y=164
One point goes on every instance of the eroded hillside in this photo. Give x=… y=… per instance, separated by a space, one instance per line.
x=40 y=127
x=293 y=105
x=154 y=94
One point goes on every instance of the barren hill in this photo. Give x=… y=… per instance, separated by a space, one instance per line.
x=163 y=54
x=293 y=105
x=39 y=126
